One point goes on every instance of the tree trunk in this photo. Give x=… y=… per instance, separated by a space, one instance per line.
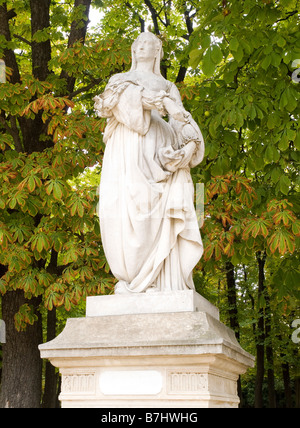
x=9 y=55
x=270 y=354
x=22 y=365
x=232 y=299
x=297 y=390
x=41 y=51
x=51 y=379
x=260 y=339
x=233 y=311
x=78 y=33
x=287 y=385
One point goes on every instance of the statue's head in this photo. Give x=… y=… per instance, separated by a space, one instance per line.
x=147 y=47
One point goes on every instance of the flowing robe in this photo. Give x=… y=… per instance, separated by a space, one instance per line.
x=148 y=222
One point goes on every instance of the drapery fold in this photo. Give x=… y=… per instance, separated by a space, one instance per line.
x=148 y=222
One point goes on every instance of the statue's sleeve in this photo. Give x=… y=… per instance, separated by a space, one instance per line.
x=154 y=101
x=106 y=102
x=122 y=102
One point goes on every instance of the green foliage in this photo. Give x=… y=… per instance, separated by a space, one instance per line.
x=49 y=229
x=233 y=63
x=251 y=127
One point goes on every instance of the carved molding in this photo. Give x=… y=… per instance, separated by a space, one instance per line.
x=186 y=382
x=83 y=383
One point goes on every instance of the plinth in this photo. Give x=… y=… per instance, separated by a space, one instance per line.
x=157 y=350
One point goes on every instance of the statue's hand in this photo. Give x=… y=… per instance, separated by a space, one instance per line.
x=188 y=152
x=174 y=110
x=190 y=148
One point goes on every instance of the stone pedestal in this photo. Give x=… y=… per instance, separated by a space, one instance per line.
x=148 y=351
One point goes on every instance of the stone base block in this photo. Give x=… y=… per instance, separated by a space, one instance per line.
x=156 y=360
x=149 y=303
x=151 y=383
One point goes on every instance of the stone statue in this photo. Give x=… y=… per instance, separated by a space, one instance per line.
x=148 y=222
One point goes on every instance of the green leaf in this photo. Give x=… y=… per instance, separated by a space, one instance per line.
x=56 y=187
x=239 y=54
x=284 y=143
x=74 y=208
x=57 y=191
x=205 y=41
x=40 y=242
x=273 y=121
x=276 y=174
x=272 y=154
x=283 y=100
x=195 y=58
x=216 y=54
x=266 y=62
x=297 y=141
x=24 y=317
x=284 y=184
x=208 y=65
x=234 y=44
x=2 y=204
x=32 y=207
x=296 y=228
x=281 y=42
x=292 y=278
x=276 y=59
x=80 y=209
x=292 y=97
x=2 y=287
x=31 y=184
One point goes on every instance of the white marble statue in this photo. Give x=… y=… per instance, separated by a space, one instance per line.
x=148 y=222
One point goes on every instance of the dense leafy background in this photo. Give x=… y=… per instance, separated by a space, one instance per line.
x=234 y=63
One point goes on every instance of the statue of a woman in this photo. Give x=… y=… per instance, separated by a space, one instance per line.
x=148 y=222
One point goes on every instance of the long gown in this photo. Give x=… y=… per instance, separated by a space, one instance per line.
x=149 y=227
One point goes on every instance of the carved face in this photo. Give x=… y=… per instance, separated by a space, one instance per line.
x=146 y=49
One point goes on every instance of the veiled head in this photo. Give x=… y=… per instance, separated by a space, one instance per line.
x=146 y=47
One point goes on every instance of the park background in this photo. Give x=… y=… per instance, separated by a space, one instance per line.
x=236 y=64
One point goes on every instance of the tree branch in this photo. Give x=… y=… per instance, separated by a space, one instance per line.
x=77 y=34
x=11 y=14
x=23 y=39
x=189 y=25
x=15 y=134
x=167 y=12
x=5 y=125
x=189 y=22
x=142 y=21
x=13 y=131
x=85 y=88
x=288 y=16
x=154 y=15
x=41 y=51
x=9 y=55
x=181 y=74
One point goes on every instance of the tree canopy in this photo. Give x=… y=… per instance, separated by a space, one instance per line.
x=236 y=66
